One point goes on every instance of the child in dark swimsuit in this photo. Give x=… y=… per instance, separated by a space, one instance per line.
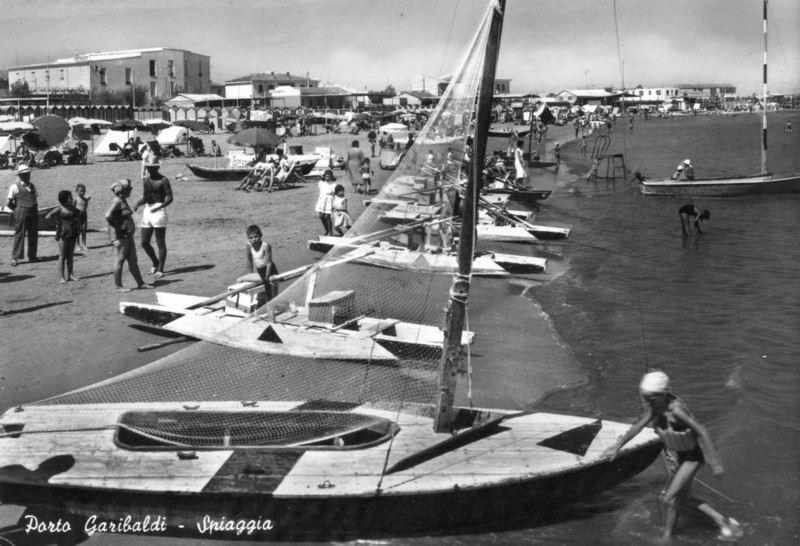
x=68 y=219
x=688 y=445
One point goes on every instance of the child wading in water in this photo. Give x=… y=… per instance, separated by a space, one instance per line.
x=687 y=447
x=259 y=262
x=68 y=219
x=82 y=204
x=341 y=218
x=366 y=176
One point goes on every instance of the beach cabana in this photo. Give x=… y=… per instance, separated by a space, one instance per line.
x=119 y=138
x=173 y=136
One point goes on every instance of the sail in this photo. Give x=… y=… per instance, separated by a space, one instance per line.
x=364 y=325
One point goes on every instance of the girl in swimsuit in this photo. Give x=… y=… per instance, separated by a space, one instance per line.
x=68 y=219
x=687 y=443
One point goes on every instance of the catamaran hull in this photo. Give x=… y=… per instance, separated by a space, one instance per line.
x=521 y=470
x=376 y=515
x=723 y=187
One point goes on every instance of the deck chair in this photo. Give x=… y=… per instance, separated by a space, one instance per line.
x=283 y=179
x=114 y=147
x=254 y=177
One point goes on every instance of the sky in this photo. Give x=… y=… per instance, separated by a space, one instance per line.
x=547 y=46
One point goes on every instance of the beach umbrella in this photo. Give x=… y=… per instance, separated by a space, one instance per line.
x=393 y=128
x=129 y=125
x=254 y=137
x=15 y=127
x=192 y=124
x=48 y=131
x=157 y=124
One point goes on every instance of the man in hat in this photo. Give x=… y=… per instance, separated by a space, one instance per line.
x=23 y=199
x=157 y=197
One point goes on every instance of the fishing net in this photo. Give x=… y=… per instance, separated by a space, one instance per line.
x=364 y=325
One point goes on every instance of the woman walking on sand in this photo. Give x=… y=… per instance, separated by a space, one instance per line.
x=355 y=157
x=122 y=227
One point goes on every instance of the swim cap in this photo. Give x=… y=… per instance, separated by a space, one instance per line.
x=654 y=382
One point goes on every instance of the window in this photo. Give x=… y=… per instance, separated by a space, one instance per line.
x=61 y=74
x=171 y=68
x=128 y=76
x=152 y=68
x=200 y=65
x=103 y=78
x=260 y=87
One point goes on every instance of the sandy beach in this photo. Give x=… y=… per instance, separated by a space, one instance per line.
x=61 y=337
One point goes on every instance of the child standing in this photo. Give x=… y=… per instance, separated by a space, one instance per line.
x=259 y=260
x=82 y=204
x=341 y=218
x=67 y=218
x=366 y=176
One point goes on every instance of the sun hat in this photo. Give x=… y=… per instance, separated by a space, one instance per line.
x=23 y=168
x=120 y=185
x=687 y=162
x=656 y=382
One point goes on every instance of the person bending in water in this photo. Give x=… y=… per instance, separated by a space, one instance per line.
x=687 y=447
x=688 y=211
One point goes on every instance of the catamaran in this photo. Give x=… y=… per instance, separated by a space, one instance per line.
x=281 y=444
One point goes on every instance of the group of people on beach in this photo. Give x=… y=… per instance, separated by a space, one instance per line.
x=70 y=218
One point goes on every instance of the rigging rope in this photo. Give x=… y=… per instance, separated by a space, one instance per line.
x=633 y=230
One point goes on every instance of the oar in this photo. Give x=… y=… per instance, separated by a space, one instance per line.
x=283 y=276
x=153 y=346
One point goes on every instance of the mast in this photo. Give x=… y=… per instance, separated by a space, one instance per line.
x=764 y=91
x=459 y=291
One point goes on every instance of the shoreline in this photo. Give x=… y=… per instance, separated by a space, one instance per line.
x=88 y=340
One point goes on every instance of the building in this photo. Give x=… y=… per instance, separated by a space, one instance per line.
x=163 y=71
x=501 y=86
x=322 y=98
x=423 y=99
x=257 y=87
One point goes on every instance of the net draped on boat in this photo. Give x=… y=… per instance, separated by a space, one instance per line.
x=390 y=274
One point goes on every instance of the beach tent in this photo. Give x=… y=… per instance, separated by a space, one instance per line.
x=173 y=136
x=7 y=144
x=119 y=138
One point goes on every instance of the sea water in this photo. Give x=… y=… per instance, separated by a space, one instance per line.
x=719 y=313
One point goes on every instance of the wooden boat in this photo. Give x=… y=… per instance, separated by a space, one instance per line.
x=723 y=187
x=7 y=218
x=522 y=132
x=485 y=263
x=218 y=174
x=765 y=182
x=493 y=195
x=224 y=440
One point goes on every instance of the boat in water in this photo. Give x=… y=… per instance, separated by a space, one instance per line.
x=254 y=430
x=764 y=182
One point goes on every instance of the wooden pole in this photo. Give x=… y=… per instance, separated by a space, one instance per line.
x=459 y=291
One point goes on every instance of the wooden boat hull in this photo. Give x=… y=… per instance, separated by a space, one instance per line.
x=523 y=196
x=7 y=218
x=219 y=174
x=484 y=476
x=487 y=264
x=723 y=187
